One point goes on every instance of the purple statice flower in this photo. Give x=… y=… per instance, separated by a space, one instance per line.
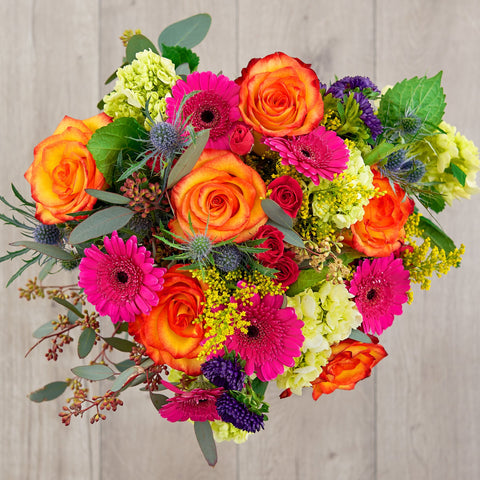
x=368 y=116
x=225 y=373
x=347 y=84
x=234 y=412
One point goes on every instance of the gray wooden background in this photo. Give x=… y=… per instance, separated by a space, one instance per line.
x=417 y=416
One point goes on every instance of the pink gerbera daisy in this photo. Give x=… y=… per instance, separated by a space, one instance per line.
x=197 y=405
x=380 y=287
x=120 y=282
x=320 y=153
x=213 y=105
x=273 y=339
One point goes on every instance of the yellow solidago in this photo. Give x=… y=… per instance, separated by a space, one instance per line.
x=221 y=316
x=425 y=259
x=127 y=35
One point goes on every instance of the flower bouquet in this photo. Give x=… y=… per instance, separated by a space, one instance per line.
x=229 y=233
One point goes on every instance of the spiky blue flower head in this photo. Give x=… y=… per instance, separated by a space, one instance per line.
x=47 y=234
x=234 y=412
x=223 y=372
x=166 y=139
x=199 y=248
x=227 y=257
x=410 y=124
x=414 y=170
x=395 y=161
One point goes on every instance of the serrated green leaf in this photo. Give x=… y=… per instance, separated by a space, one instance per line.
x=181 y=55
x=123 y=134
x=432 y=201
x=422 y=97
x=126 y=376
x=275 y=213
x=436 y=234
x=21 y=197
x=49 y=250
x=93 y=372
x=138 y=43
x=48 y=392
x=158 y=400
x=43 y=330
x=204 y=435
x=186 y=33
x=101 y=223
x=120 y=344
x=306 y=279
x=458 y=173
x=68 y=305
x=290 y=236
x=108 y=197
x=359 y=336
x=86 y=342
x=189 y=158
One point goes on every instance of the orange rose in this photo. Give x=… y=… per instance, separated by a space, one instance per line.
x=168 y=331
x=63 y=168
x=350 y=362
x=221 y=195
x=280 y=95
x=381 y=232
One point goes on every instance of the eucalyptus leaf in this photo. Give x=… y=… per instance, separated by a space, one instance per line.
x=46 y=268
x=138 y=43
x=158 y=400
x=108 y=197
x=48 y=392
x=43 y=330
x=189 y=158
x=93 y=372
x=124 y=364
x=86 y=341
x=101 y=223
x=120 y=344
x=183 y=69
x=126 y=376
x=49 y=250
x=275 y=213
x=68 y=305
x=290 y=236
x=186 y=33
x=204 y=434
x=359 y=336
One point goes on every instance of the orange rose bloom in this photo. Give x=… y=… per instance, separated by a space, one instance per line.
x=350 y=362
x=280 y=95
x=63 y=168
x=381 y=232
x=168 y=331
x=221 y=195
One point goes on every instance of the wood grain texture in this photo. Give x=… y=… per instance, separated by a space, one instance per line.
x=417 y=417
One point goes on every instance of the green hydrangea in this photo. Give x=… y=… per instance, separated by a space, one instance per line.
x=339 y=203
x=149 y=77
x=329 y=316
x=439 y=152
x=223 y=431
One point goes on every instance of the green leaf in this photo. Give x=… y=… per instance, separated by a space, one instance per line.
x=432 y=200
x=125 y=377
x=120 y=344
x=86 y=342
x=422 y=97
x=93 y=372
x=68 y=305
x=306 y=279
x=436 y=234
x=108 y=197
x=138 y=43
x=259 y=387
x=107 y=142
x=158 y=400
x=124 y=364
x=183 y=70
x=43 y=330
x=21 y=197
x=359 y=336
x=101 y=223
x=189 y=158
x=49 y=250
x=381 y=151
x=458 y=173
x=290 y=236
x=46 y=268
x=186 y=33
x=275 y=213
x=181 y=55
x=48 y=392
x=204 y=434
x=348 y=255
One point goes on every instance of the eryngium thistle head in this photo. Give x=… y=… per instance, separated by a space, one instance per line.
x=414 y=170
x=410 y=124
x=227 y=257
x=395 y=161
x=199 y=247
x=165 y=138
x=47 y=234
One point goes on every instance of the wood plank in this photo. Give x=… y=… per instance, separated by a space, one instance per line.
x=49 y=69
x=428 y=420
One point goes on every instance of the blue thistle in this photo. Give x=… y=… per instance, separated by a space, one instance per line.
x=410 y=124
x=227 y=257
x=47 y=234
x=199 y=248
x=414 y=170
x=225 y=373
x=395 y=161
x=166 y=139
x=234 y=412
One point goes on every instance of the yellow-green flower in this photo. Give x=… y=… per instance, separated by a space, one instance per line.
x=223 y=431
x=149 y=77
